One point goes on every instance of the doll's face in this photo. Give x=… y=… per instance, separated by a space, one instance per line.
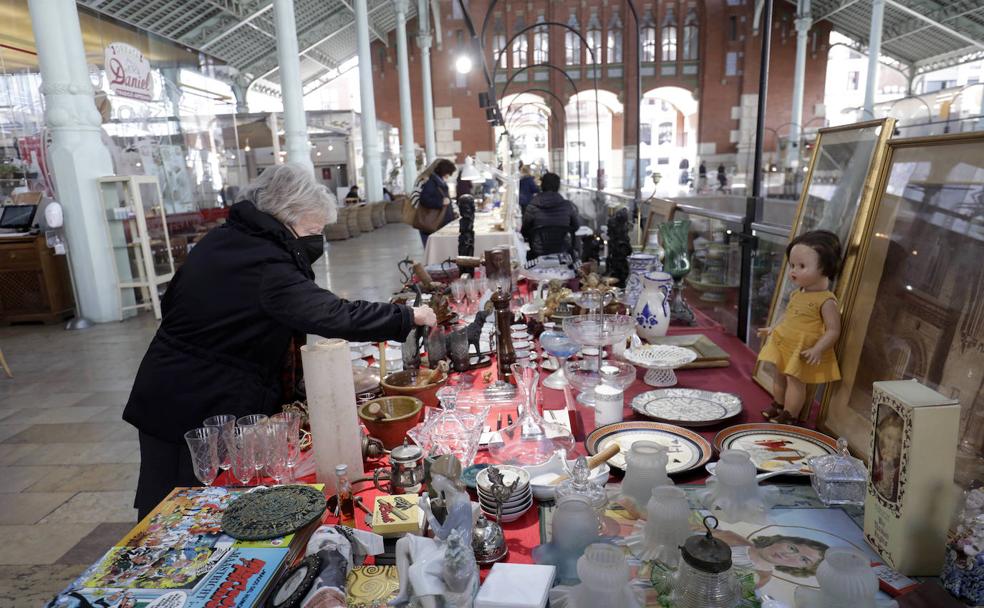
x=804 y=266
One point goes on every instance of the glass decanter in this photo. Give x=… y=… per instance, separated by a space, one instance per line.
x=530 y=440
x=450 y=430
x=839 y=479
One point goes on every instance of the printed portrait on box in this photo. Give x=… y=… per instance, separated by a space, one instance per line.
x=886 y=462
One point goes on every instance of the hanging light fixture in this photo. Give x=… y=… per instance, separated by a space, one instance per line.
x=469 y=173
x=247 y=148
x=463 y=64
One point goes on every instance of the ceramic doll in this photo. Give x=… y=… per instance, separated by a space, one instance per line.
x=801 y=344
x=420 y=559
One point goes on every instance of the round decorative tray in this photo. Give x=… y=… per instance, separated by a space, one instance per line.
x=660 y=360
x=272 y=512
x=687 y=406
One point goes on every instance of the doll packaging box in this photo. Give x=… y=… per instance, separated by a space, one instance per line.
x=910 y=496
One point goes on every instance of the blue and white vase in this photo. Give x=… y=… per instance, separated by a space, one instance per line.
x=639 y=265
x=652 y=310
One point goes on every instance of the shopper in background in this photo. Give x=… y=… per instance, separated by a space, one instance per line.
x=352 y=198
x=527 y=186
x=550 y=221
x=434 y=192
x=229 y=316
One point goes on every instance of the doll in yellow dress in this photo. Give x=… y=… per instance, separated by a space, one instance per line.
x=801 y=344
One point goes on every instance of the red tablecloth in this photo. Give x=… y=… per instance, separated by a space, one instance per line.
x=524 y=534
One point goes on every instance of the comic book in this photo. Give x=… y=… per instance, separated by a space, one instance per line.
x=178 y=557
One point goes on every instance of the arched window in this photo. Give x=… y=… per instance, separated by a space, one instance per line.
x=541 y=43
x=594 y=40
x=572 y=44
x=669 y=37
x=664 y=133
x=499 y=43
x=648 y=35
x=691 y=37
x=520 y=47
x=615 y=40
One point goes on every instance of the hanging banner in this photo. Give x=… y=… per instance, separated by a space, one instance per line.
x=128 y=72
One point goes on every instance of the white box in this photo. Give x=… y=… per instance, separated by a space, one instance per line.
x=516 y=586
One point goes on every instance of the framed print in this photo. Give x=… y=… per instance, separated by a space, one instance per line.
x=837 y=196
x=915 y=309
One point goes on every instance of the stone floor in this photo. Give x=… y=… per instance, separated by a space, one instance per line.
x=68 y=464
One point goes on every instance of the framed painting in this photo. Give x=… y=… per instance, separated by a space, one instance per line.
x=916 y=306
x=837 y=196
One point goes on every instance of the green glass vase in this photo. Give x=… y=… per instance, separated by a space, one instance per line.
x=675 y=237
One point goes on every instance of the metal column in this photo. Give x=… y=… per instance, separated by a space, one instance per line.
x=424 y=41
x=803 y=22
x=371 y=161
x=406 y=111
x=295 y=124
x=77 y=156
x=874 y=52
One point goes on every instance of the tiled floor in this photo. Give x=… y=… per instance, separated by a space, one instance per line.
x=68 y=464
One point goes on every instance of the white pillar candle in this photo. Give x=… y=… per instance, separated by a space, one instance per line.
x=608 y=404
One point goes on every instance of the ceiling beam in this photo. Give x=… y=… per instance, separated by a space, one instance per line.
x=844 y=4
x=938 y=17
x=372 y=28
x=235 y=27
x=958 y=57
x=945 y=29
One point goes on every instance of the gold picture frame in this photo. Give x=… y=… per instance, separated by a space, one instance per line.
x=837 y=195
x=916 y=305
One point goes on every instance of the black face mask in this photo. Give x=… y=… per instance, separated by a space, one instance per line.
x=313 y=246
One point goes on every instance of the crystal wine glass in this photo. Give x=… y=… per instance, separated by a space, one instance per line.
x=243 y=453
x=224 y=424
x=276 y=448
x=293 y=440
x=203 y=445
x=471 y=290
x=458 y=294
x=259 y=439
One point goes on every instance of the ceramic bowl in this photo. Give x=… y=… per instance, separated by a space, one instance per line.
x=542 y=474
x=518 y=508
x=514 y=501
x=509 y=473
x=509 y=517
x=399 y=383
x=403 y=413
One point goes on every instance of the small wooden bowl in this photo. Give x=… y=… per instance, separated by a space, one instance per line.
x=404 y=414
x=399 y=383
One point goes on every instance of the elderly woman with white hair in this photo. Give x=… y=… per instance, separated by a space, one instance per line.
x=245 y=291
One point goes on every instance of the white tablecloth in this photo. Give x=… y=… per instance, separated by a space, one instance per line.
x=443 y=244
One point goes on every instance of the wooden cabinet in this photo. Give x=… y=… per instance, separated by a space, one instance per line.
x=34 y=283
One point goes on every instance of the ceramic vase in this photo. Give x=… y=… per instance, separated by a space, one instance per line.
x=652 y=310
x=676 y=261
x=645 y=468
x=639 y=265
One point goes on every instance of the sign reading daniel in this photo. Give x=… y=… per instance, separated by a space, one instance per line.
x=128 y=72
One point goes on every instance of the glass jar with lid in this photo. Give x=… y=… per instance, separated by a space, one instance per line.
x=839 y=479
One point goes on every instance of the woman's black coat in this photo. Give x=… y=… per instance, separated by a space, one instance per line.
x=228 y=318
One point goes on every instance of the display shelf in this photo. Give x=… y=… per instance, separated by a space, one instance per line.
x=137 y=225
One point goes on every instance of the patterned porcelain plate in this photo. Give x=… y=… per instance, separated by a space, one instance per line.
x=775 y=446
x=687 y=406
x=687 y=449
x=660 y=356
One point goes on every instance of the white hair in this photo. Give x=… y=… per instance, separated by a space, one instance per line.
x=289 y=192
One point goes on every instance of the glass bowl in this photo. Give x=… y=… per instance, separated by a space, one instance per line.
x=599 y=330
x=585 y=375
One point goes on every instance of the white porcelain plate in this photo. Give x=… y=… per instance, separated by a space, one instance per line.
x=687 y=406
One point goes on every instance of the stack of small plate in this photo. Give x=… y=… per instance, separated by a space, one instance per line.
x=518 y=503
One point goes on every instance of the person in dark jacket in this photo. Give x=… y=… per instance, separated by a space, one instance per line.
x=352 y=197
x=229 y=316
x=550 y=220
x=434 y=192
x=527 y=187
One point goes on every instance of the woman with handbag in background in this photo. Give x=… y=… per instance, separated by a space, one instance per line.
x=434 y=203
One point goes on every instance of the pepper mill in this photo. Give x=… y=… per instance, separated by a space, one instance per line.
x=504 y=352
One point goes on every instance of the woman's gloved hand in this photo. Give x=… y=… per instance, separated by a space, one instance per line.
x=424 y=316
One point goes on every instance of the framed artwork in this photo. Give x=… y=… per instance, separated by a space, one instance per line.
x=837 y=196
x=916 y=304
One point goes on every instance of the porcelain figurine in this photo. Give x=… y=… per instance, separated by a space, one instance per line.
x=420 y=559
x=645 y=469
x=460 y=571
x=665 y=529
x=652 y=310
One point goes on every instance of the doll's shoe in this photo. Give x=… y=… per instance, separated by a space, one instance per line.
x=784 y=417
x=774 y=410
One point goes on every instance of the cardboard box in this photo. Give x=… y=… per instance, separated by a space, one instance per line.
x=410 y=523
x=516 y=586
x=911 y=493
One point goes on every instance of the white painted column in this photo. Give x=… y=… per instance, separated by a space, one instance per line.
x=803 y=22
x=424 y=41
x=274 y=126
x=874 y=52
x=77 y=156
x=289 y=60
x=406 y=111
x=370 y=140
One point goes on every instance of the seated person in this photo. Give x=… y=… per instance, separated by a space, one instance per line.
x=352 y=198
x=549 y=221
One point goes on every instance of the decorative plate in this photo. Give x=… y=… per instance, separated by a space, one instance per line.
x=547 y=273
x=272 y=512
x=687 y=449
x=775 y=446
x=659 y=356
x=687 y=406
